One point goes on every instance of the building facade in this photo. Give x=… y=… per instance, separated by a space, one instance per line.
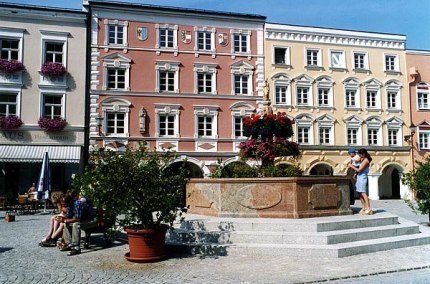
x=36 y=36
x=176 y=78
x=343 y=89
x=418 y=63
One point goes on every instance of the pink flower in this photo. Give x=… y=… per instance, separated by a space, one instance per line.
x=10 y=66
x=53 y=69
x=52 y=124
x=10 y=122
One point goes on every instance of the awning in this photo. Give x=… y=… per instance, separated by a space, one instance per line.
x=34 y=154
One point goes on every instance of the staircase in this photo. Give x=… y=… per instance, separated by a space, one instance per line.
x=338 y=236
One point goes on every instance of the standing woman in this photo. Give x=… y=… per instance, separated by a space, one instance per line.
x=361 y=184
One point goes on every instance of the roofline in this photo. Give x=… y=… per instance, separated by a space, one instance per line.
x=301 y=28
x=418 y=51
x=171 y=9
x=41 y=8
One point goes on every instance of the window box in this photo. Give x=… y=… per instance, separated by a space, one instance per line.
x=10 y=122
x=9 y=67
x=55 y=124
x=53 y=69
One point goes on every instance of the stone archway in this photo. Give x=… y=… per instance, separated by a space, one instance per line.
x=194 y=171
x=390 y=182
x=321 y=170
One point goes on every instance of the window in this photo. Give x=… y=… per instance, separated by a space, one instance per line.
x=352 y=136
x=281 y=93
x=8 y=104
x=371 y=99
x=303 y=135
x=241 y=84
x=167 y=125
x=166 y=38
x=115 y=123
x=393 y=137
x=324 y=135
x=391 y=63
x=281 y=56
x=423 y=101
x=337 y=59
x=115 y=78
x=52 y=106
x=238 y=127
x=204 y=82
x=351 y=98
x=204 y=126
x=372 y=136
x=167 y=120
x=9 y=49
x=360 y=60
x=323 y=96
x=240 y=42
x=116 y=34
x=302 y=96
x=392 y=100
x=312 y=57
x=204 y=40
x=54 y=52
x=424 y=140
x=167 y=81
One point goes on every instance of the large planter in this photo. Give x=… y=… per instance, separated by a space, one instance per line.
x=146 y=245
x=300 y=197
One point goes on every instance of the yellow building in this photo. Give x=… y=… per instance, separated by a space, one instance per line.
x=343 y=89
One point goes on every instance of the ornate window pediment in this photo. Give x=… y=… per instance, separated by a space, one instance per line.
x=393 y=84
x=304 y=120
x=374 y=121
x=352 y=82
x=304 y=80
x=394 y=122
x=242 y=67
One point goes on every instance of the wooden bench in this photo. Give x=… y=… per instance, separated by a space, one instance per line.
x=102 y=227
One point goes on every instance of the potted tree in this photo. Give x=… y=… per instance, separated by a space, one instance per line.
x=140 y=186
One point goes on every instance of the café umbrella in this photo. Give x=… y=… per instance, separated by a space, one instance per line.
x=44 y=183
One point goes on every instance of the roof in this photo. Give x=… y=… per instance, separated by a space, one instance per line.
x=40 y=8
x=194 y=12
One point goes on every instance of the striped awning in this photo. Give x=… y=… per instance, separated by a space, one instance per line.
x=34 y=154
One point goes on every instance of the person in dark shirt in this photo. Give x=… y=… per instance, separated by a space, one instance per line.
x=83 y=215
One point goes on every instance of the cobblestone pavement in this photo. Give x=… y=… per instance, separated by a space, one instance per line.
x=23 y=261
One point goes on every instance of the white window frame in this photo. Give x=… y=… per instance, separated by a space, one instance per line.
x=205 y=68
x=174 y=28
x=301 y=136
x=397 y=137
x=319 y=57
x=423 y=134
x=115 y=133
x=57 y=93
x=108 y=69
x=166 y=117
x=55 y=37
x=242 y=110
x=396 y=62
x=210 y=31
x=351 y=142
x=326 y=83
x=286 y=55
x=304 y=81
x=118 y=23
x=396 y=124
x=342 y=59
x=394 y=86
x=167 y=109
x=206 y=111
x=244 y=69
x=326 y=122
x=115 y=105
x=282 y=80
x=244 y=33
x=352 y=84
x=14 y=34
x=373 y=86
x=117 y=61
x=423 y=89
x=305 y=121
x=167 y=66
x=354 y=122
x=13 y=91
x=374 y=123
x=365 y=61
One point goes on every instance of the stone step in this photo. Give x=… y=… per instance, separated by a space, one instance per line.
x=277 y=237
x=305 y=250
x=322 y=224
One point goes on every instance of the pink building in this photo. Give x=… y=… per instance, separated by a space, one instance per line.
x=418 y=63
x=176 y=78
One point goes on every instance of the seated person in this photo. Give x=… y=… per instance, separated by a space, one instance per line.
x=83 y=215
x=55 y=223
x=32 y=192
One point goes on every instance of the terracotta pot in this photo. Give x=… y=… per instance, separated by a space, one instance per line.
x=10 y=218
x=146 y=245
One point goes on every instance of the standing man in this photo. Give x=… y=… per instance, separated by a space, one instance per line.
x=83 y=215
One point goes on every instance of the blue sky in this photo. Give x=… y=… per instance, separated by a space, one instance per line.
x=408 y=17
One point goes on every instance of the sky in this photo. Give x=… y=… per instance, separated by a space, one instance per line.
x=407 y=17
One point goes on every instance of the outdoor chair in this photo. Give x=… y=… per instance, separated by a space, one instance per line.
x=24 y=205
x=102 y=227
